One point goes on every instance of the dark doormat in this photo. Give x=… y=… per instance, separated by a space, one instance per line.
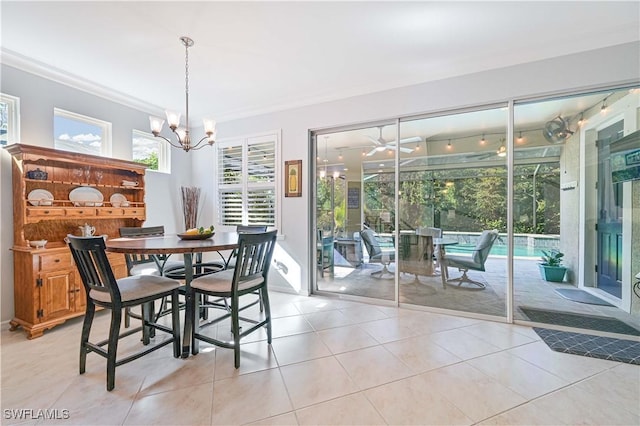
x=590 y=322
x=581 y=296
x=592 y=346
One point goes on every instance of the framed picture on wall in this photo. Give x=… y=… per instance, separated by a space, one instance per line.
x=293 y=178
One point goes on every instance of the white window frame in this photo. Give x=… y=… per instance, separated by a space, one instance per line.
x=13 y=117
x=164 y=150
x=106 y=145
x=245 y=141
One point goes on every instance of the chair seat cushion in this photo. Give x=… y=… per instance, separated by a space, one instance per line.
x=149 y=268
x=138 y=287
x=221 y=282
x=463 y=262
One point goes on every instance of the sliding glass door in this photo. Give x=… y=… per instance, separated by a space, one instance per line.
x=355 y=212
x=450 y=211
x=453 y=212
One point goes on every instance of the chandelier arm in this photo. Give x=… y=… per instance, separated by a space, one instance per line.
x=198 y=146
x=171 y=143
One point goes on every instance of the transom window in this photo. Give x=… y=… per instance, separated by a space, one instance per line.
x=79 y=133
x=153 y=152
x=247 y=183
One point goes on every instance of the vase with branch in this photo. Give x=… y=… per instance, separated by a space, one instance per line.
x=190 y=203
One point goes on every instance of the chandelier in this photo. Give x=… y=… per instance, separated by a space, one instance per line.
x=173 y=118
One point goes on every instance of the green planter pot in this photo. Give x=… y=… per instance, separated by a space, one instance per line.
x=552 y=273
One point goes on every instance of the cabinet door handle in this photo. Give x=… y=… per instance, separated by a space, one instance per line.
x=56 y=260
x=46 y=212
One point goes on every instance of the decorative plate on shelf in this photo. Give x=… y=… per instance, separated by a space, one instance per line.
x=118 y=200
x=184 y=236
x=40 y=197
x=85 y=196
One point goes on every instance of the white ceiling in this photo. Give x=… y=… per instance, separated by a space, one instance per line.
x=253 y=57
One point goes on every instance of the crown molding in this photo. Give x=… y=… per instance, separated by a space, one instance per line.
x=32 y=66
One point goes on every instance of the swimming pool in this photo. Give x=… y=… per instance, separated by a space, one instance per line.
x=497 y=250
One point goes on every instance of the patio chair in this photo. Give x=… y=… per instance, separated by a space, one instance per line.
x=102 y=289
x=324 y=252
x=372 y=243
x=475 y=262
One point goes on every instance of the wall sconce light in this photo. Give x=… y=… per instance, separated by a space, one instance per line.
x=482 y=141
x=449 y=145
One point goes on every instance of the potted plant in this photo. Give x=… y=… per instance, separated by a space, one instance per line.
x=551 y=268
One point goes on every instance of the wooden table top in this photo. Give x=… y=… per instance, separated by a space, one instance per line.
x=171 y=243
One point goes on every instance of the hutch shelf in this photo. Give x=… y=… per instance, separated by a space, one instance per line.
x=54 y=194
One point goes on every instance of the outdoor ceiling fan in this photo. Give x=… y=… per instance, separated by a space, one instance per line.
x=381 y=145
x=557 y=130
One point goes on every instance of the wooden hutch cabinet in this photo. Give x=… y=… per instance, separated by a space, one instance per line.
x=54 y=193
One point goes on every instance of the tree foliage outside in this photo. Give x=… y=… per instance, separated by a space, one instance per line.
x=467 y=200
x=331 y=218
x=150 y=161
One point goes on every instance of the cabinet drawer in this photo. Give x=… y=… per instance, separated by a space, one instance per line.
x=44 y=211
x=80 y=211
x=55 y=261
x=134 y=212
x=109 y=211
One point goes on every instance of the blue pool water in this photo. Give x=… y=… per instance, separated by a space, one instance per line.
x=499 y=250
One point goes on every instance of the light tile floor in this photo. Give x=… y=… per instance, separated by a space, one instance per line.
x=529 y=290
x=332 y=362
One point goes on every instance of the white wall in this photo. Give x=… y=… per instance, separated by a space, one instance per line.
x=39 y=96
x=573 y=72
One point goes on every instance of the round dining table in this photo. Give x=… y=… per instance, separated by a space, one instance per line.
x=173 y=244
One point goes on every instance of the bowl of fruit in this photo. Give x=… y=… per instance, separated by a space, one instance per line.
x=201 y=233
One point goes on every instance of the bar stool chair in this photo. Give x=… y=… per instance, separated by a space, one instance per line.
x=250 y=275
x=104 y=290
x=147 y=264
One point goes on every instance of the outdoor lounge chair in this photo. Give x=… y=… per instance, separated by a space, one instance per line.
x=476 y=262
x=372 y=243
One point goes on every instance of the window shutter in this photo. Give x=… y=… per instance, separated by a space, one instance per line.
x=261 y=207
x=230 y=165
x=261 y=163
x=230 y=207
x=247 y=181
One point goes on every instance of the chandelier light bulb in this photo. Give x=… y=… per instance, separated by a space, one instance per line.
x=173 y=119
x=156 y=123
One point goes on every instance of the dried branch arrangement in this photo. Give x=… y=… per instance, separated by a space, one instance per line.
x=190 y=201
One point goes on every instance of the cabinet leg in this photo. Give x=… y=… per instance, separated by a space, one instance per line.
x=14 y=325
x=34 y=334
